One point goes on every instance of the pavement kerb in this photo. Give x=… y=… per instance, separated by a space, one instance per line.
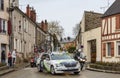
x=105 y=71
x=13 y=69
x=6 y=71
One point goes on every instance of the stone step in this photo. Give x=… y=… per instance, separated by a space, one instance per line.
x=3 y=72
x=4 y=68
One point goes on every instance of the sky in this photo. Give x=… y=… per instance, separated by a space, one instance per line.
x=67 y=12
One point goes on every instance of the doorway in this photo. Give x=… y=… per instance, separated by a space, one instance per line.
x=93 y=50
x=3 y=48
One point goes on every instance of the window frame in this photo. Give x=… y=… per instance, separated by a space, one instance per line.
x=118 y=46
x=109 y=51
x=3 y=26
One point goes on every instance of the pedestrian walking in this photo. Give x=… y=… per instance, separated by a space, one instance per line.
x=3 y=56
x=9 y=59
x=14 y=57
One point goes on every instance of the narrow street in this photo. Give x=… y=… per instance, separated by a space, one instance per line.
x=33 y=73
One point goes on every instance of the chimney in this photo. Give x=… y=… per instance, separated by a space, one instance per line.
x=31 y=13
x=28 y=11
x=42 y=25
x=34 y=15
x=46 y=25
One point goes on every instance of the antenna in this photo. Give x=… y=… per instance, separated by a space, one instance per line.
x=108 y=3
x=105 y=7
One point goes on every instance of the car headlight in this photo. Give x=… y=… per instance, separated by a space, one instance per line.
x=59 y=65
x=78 y=64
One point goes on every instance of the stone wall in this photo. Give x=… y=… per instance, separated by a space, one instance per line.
x=92 y=20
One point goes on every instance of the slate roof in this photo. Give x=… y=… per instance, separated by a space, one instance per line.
x=113 y=9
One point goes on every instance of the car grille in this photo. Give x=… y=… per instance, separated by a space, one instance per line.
x=72 y=64
x=68 y=70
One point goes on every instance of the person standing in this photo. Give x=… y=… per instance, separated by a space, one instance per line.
x=13 y=57
x=3 y=56
x=9 y=59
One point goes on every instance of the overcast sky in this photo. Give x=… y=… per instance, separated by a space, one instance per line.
x=67 y=12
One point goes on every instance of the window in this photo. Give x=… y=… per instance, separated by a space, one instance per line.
x=118 y=48
x=3 y=25
x=109 y=49
x=1 y=4
x=25 y=25
x=19 y=26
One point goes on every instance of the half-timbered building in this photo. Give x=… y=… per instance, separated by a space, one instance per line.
x=111 y=34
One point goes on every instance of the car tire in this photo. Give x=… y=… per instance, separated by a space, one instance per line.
x=52 y=70
x=76 y=72
x=39 y=69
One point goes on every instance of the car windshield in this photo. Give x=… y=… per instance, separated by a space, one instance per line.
x=60 y=56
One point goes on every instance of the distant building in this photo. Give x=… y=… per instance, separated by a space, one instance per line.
x=67 y=42
x=111 y=33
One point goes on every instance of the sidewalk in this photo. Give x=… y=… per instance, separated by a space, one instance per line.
x=105 y=71
x=5 y=69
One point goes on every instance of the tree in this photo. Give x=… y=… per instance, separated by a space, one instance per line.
x=55 y=28
x=76 y=29
x=71 y=49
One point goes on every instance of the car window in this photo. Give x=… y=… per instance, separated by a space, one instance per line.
x=60 y=56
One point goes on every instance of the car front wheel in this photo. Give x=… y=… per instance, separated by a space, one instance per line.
x=52 y=70
x=39 y=68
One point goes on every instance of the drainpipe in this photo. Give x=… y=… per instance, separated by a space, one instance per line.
x=11 y=37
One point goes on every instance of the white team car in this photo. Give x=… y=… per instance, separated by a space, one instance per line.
x=57 y=62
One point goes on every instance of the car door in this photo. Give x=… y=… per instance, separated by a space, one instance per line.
x=47 y=62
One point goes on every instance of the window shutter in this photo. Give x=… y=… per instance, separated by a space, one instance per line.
x=112 y=49
x=9 y=27
x=104 y=49
x=117 y=22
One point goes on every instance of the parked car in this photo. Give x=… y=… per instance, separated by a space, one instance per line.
x=57 y=62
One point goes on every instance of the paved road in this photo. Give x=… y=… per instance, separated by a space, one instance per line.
x=33 y=73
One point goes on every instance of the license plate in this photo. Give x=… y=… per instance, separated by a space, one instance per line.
x=70 y=68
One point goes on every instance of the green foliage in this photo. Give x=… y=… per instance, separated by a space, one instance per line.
x=106 y=66
x=71 y=49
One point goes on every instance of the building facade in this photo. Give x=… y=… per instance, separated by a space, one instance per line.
x=4 y=37
x=90 y=35
x=111 y=34
x=23 y=32
x=41 y=35
x=19 y=30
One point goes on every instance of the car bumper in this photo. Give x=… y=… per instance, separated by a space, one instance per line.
x=66 y=70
